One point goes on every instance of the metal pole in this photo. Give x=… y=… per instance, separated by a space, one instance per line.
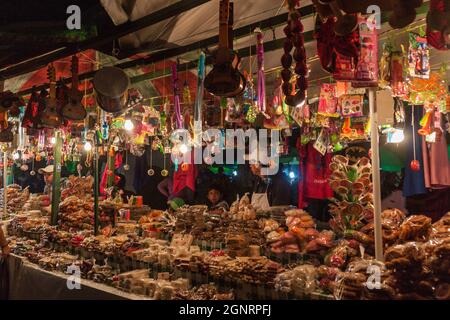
x=56 y=184
x=374 y=142
x=96 y=187
x=5 y=181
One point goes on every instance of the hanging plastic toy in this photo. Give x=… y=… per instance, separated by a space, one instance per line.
x=105 y=130
x=261 y=75
x=425 y=124
x=176 y=97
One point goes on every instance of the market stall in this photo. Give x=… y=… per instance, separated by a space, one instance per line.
x=270 y=178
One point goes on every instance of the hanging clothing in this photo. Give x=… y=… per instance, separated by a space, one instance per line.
x=414 y=182
x=436 y=163
x=104 y=180
x=184 y=181
x=314 y=173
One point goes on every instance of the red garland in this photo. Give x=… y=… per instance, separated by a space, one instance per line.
x=294 y=39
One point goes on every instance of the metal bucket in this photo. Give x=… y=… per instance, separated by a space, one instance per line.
x=111 y=86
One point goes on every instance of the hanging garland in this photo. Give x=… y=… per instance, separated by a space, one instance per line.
x=294 y=34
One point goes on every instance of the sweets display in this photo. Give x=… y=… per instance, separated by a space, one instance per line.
x=166 y=255
x=16 y=198
x=75 y=213
x=81 y=187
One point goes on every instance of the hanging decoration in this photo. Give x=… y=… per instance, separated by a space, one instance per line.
x=415 y=164
x=367 y=66
x=261 y=75
x=176 y=98
x=351 y=105
x=198 y=119
x=398 y=70
x=150 y=171
x=126 y=166
x=328 y=100
x=418 y=56
x=438 y=24
x=294 y=38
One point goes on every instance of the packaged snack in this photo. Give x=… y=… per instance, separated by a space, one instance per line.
x=367 y=67
x=327 y=100
x=418 y=56
x=351 y=105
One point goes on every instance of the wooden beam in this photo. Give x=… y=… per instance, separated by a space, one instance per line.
x=117 y=32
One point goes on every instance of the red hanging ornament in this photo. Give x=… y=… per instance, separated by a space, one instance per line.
x=294 y=39
x=415 y=165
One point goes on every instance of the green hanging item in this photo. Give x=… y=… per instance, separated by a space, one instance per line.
x=251 y=114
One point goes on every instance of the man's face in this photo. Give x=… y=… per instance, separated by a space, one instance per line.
x=48 y=178
x=214 y=196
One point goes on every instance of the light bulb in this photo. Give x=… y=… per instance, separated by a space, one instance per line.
x=87 y=146
x=396 y=136
x=291 y=175
x=53 y=140
x=128 y=125
x=235 y=173
x=183 y=148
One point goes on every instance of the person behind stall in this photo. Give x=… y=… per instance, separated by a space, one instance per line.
x=269 y=191
x=121 y=189
x=47 y=173
x=165 y=187
x=215 y=201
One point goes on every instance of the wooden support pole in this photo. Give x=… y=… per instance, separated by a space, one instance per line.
x=56 y=184
x=374 y=141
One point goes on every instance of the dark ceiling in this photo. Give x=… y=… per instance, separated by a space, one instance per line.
x=29 y=28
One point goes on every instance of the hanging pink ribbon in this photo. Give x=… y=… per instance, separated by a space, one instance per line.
x=261 y=76
x=176 y=97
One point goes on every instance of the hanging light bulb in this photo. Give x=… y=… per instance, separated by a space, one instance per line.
x=128 y=125
x=87 y=146
x=395 y=136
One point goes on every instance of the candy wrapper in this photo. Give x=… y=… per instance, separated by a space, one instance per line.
x=351 y=105
x=398 y=84
x=327 y=100
x=367 y=67
x=345 y=68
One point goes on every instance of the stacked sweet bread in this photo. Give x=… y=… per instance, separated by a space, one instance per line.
x=75 y=213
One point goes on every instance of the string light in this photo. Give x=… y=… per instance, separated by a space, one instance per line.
x=87 y=146
x=128 y=125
